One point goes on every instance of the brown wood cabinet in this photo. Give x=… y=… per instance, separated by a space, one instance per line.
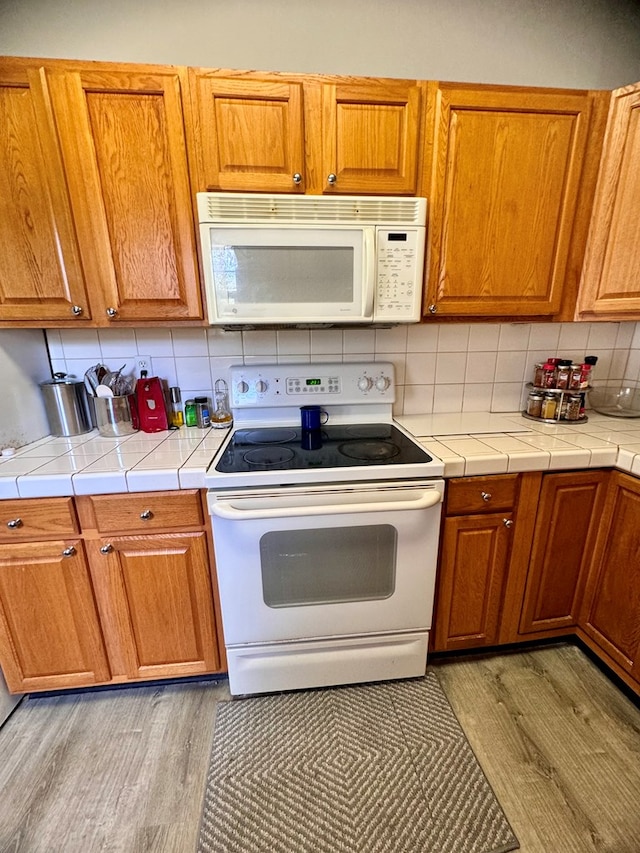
x=96 y=153
x=567 y=520
x=50 y=636
x=610 y=285
x=481 y=522
x=256 y=132
x=130 y=595
x=510 y=190
x=610 y=614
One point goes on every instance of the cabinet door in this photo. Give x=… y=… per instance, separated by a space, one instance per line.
x=156 y=606
x=610 y=614
x=247 y=135
x=41 y=274
x=567 y=521
x=122 y=137
x=473 y=566
x=49 y=632
x=370 y=136
x=610 y=285
x=506 y=176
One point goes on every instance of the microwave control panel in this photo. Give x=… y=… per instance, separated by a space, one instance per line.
x=400 y=261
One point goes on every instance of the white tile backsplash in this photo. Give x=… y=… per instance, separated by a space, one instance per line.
x=440 y=367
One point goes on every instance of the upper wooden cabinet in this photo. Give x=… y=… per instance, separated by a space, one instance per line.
x=41 y=273
x=266 y=133
x=610 y=286
x=95 y=182
x=508 y=184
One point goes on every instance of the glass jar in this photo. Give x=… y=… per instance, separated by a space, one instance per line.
x=190 y=416
x=548 y=375
x=574 y=403
x=203 y=413
x=563 y=375
x=534 y=404
x=549 y=406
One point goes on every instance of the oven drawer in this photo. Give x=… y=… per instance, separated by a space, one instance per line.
x=41 y=517
x=147 y=511
x=481 y=494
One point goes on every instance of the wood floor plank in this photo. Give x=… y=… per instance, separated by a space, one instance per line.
x=123 y=771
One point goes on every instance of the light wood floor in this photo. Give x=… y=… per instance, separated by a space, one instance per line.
x=124 y=770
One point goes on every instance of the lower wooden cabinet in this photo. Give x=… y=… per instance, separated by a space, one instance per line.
x=610 y=614
x=50 y=636
x=126 y=599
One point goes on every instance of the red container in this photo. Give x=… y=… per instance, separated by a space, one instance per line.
x=152 y=404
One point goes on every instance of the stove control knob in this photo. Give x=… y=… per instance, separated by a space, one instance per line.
x=365 y=383
x=242 y=387
x=261 y=386
x=382 y=383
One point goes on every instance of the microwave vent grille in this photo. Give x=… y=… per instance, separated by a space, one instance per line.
x=292 y=209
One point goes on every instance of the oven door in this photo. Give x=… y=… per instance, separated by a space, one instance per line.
x=326 y=561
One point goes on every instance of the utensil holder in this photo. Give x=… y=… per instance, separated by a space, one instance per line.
x=116 y=415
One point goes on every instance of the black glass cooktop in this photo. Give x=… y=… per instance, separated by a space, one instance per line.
x=332 y=446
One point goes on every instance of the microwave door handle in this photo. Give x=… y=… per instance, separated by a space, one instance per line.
x=369 y=262
x=229 y=511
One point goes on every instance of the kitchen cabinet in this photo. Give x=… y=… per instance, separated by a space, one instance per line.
x=50 y=636
x=512 y=178
x=107 y=589
x=97 y=152
x=256 y=132
x=610 y=285
x=610 y=613
x=567 y=521
x=482 y=518
x=41 y=273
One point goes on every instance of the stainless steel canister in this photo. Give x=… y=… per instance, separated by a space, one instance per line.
x=66 y=405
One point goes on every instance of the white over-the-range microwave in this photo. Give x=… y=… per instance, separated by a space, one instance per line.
x=300 y=260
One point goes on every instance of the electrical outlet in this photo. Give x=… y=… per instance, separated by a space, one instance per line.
x=142 y=363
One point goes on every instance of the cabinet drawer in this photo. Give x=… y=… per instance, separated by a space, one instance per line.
x=32 y=517
x=147 y=511
x=481 y=494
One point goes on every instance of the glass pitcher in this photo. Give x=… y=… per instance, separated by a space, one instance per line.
x=221 y=416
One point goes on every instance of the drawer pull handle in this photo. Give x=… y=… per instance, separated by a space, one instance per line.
x=508 y=522
x=69 y=552
x=146 y=514
x=14 y=523
x=106 y=549
x=486 y=496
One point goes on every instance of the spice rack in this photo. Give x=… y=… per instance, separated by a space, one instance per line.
x=562 y=405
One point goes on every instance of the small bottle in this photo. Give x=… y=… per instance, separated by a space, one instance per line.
x=574 y=379
x=563 y=374
x=190 y=416
x=221 y=416
x=537 y=375
x=585 y=370
x=534 y=404
x=549 y=406
x=573 y=407
x=548 y=375
x=203 y=416
x=177 y=417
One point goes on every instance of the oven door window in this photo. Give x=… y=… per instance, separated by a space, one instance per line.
x=327 y=566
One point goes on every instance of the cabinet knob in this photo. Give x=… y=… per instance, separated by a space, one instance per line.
x=76 y=310
x=106 y=549
x=112 y=312
x=146 y=514
x=14 y=523
x=486 y=496
x=508 y=522
x=69 y=552
x=297 y=178
x=331 y=179
x=433 y=309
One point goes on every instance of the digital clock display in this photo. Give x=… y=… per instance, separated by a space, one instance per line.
x=314 y=381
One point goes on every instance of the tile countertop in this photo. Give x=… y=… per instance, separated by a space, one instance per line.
x=468 y=443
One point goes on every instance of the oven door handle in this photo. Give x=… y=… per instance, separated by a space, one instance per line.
x=228 y=510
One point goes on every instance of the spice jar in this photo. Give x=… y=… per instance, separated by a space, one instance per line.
x=563 y=374
x=203 y=414
x=537 y=375
x=549 y=406
x=190 y=416
x=573 y=407
x=534 y=404
x=548 y=375
x=575 y=377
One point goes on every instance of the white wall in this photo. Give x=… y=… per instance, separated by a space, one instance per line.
x=565 y=43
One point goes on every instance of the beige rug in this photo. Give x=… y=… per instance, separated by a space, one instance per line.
x=376 y=768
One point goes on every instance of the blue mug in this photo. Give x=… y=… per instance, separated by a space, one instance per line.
x=312 y=417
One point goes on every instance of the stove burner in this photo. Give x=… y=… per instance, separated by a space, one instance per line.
x=268 y=435
x=269 y=456
x=371 y=451
x=379 y=431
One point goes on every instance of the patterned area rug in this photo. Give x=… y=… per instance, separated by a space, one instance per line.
x=376 y=768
